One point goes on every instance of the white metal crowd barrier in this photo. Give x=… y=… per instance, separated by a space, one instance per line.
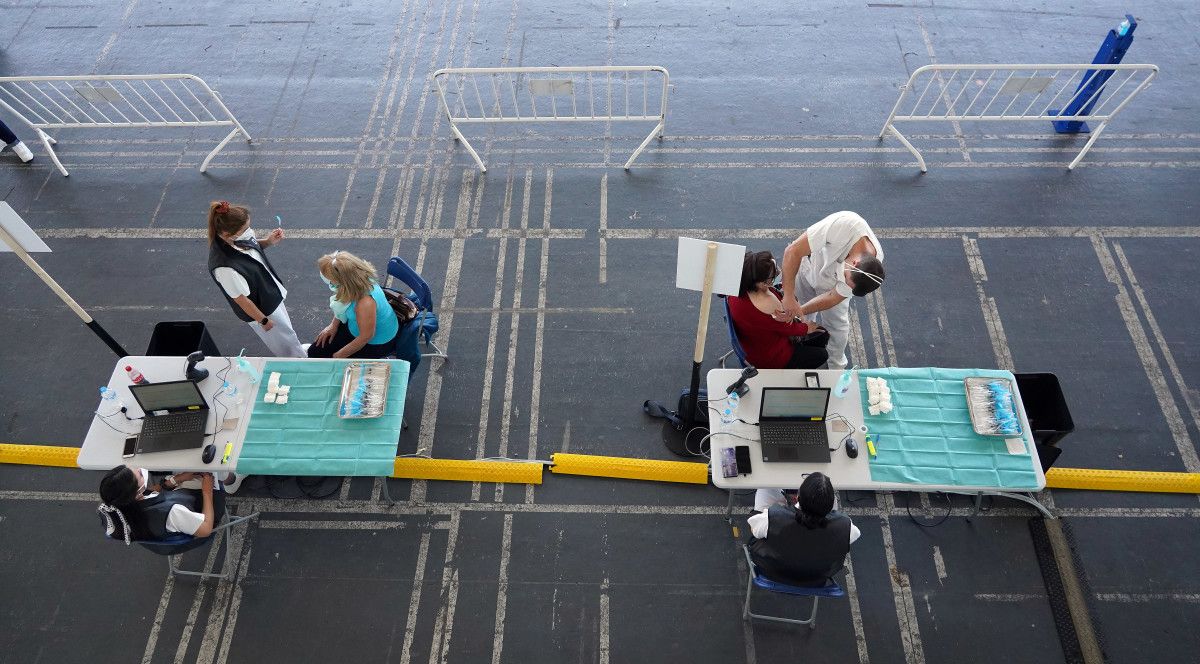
x=483 y=95
x=137 y=101
x=1017 y=92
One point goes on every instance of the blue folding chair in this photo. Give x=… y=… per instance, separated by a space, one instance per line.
x=830 y=589
x=426 y=320
x=733 y=338
x=177 y=543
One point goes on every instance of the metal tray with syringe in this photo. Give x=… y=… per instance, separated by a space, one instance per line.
x=364 y=390
x=992 y=406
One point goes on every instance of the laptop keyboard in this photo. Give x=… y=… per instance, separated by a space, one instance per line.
x=179 y=423
x=794 y=434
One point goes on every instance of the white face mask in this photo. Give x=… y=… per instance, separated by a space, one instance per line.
x=844 y=288
x=247 y=234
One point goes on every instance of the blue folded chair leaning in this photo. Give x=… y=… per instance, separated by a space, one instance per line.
x=425 y=324
x=830 y=589
x=733 y=338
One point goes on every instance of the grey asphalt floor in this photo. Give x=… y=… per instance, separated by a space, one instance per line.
x=554 y=275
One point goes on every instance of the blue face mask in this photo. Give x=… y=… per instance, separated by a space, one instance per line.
x=333 y=287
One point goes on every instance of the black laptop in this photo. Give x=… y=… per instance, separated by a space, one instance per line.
x=176 y=416
x=791 y=424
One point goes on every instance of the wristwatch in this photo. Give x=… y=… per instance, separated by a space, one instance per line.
x=264 y=321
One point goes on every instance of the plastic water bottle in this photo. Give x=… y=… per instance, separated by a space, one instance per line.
x=1123 y=28
x=843 y=384
x=135 y=376
x=729 y=412
x=231 y=392
x=245 y=367
x=109 y=399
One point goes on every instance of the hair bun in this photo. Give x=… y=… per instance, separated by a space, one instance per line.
x=222 y=207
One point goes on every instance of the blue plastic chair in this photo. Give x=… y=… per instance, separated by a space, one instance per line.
x=756 y=578
x=177 y=543
x=733 y=338
x=422 y=296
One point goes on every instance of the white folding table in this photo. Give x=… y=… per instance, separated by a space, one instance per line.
x=229 y=423
x=106 y=437
x=845 y=473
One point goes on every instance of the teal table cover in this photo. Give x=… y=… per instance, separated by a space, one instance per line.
x=928 y=438
x=305 y=436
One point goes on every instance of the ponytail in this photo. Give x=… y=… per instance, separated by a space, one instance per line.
x=118 y=488
x=225 y=218
x=110 y=526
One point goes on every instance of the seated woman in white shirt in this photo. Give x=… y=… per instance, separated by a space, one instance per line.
x=134 y=509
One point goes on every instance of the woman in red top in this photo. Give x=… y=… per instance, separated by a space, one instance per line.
x=769 y=343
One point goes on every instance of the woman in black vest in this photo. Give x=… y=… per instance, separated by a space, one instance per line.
x=134 y=509
x=237 y=262
x=805 y=543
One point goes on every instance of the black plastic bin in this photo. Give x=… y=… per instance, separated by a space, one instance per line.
x=181 y=338
x=1049 y=416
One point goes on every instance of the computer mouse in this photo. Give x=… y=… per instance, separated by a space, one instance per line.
x=210 y=453
x=852 y=449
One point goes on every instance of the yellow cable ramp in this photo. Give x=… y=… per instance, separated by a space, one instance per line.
x=524 y=472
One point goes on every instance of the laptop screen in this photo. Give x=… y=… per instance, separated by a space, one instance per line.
x=173 y=396
x=794 y=403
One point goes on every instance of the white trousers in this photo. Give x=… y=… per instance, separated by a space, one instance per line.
x=835 y=319
x=281 y=338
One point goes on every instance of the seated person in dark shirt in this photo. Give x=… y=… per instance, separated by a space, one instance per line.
x=804 y=544
x=770 y=343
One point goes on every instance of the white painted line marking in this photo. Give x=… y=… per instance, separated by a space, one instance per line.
x=604 y=227
x=163 y=602
x=433 y=389
x=906 y=612
x=604 y=623
x=414 y=601
x=1159 y=338
x=502 y=590
x=1136 y=598
x=506 y=410
x=485 y=405
x=443 y=627
x=1010 y=597
x=235 y=602
x=939 y=564
x=991 y=314
x=860 y=634
x=535 y=394
x=190 y=624
x=1183 y=441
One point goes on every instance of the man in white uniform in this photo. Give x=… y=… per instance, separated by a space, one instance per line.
x=836 y=258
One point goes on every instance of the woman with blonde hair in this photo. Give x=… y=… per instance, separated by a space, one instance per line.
x=237 y=261
x=364 y=324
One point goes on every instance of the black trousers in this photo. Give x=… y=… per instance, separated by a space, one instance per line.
x=808 y=352
x=6 y=134
x=343 y=337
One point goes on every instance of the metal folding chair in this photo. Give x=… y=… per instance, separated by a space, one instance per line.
x=755 y=578
x=178 y=543
x=733 y=338
x=421 y=296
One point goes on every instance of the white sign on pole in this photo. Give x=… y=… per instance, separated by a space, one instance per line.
x=689 y=271
x=19 y=231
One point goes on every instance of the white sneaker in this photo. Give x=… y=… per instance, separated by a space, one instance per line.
x=22 y=151
x=232 y=482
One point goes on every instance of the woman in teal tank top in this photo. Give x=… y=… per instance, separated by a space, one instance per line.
x=364 y=324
